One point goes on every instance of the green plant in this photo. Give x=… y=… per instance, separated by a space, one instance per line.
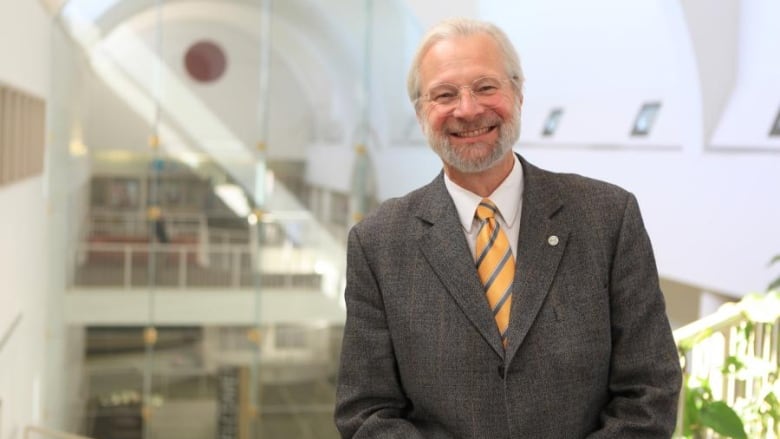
x=702 y=412
x=756 y=414
x=762 y=411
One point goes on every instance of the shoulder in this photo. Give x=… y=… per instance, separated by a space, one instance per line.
x=585 y=204
x=387 y=233
x=396 y=214
x=583 y=189
x=576 y=190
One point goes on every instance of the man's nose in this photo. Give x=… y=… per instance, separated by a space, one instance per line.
x=467 y=105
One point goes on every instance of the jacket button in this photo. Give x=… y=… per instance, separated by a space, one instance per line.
x=501 y=371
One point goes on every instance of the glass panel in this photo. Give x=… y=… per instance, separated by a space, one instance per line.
x=194 y=129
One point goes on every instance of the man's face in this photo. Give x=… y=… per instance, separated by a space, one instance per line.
x=474 y=132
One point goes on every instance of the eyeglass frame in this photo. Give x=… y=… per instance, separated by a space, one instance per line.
x=456 y=101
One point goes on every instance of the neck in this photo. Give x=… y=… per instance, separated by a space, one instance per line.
x=485 y=182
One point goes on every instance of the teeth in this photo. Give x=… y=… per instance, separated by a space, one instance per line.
x=474 y=133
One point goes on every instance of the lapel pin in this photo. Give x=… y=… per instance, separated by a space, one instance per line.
x=552 y=240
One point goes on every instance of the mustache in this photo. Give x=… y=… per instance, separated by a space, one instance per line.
x=486 y=121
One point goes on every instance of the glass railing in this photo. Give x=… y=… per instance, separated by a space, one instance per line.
x=200 y=383
x=154 y=107
x=186 y=266
x=123 y=251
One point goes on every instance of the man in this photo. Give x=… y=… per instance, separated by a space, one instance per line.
x=500 y=300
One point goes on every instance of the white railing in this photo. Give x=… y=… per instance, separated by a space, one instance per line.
x=290 y=250
x=216 y=235
x=730 y=364
x=137 y=265
x=113 y=223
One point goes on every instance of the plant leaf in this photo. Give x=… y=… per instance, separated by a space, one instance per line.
x=692 y=414
x=723 y=420
x=775 y=285
x=732 y=364
x=773 y=406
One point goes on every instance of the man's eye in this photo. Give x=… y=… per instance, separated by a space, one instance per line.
x=486 y=89
x=444 y=96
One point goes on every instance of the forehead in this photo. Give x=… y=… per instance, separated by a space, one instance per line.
x=461 y=60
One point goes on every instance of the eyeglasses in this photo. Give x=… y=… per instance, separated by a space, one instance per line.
x=484 y=90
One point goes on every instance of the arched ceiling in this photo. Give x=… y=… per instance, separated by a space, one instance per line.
x=321 y=55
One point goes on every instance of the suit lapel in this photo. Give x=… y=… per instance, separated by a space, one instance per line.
x=445 y=248
x=541 y=244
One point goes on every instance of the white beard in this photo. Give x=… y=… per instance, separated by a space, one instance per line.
x=509 y=132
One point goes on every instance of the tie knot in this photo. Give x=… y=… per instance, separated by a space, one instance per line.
x=486 y=209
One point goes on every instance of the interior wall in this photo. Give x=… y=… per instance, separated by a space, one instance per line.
x=430 y=12
x=754 y=103
x=22 y=305
x=26 y=65
x=714 y=28
x=24 y=43
x=600 y=61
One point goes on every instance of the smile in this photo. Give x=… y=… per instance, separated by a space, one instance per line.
x=474 y=133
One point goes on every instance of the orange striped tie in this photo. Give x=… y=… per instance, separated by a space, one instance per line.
x=495 y=265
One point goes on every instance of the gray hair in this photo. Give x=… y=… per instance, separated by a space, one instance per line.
x=463 y=27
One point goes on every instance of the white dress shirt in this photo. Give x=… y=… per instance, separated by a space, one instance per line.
x=508 y=197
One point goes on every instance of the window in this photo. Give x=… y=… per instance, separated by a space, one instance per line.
x=646 y=118
x=551 y=124
x=775 y=131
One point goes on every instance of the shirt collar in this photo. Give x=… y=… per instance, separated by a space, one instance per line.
x=507 y=197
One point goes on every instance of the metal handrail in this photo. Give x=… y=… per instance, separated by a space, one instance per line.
x=725 y=317
x=50 y=433
x=10 y=330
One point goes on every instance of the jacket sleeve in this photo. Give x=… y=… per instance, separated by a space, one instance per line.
x=370 y=401
x=645 y=376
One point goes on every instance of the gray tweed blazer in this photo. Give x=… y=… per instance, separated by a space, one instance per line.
x=590 y=350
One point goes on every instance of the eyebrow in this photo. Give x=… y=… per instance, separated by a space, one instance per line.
x=466 y=83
